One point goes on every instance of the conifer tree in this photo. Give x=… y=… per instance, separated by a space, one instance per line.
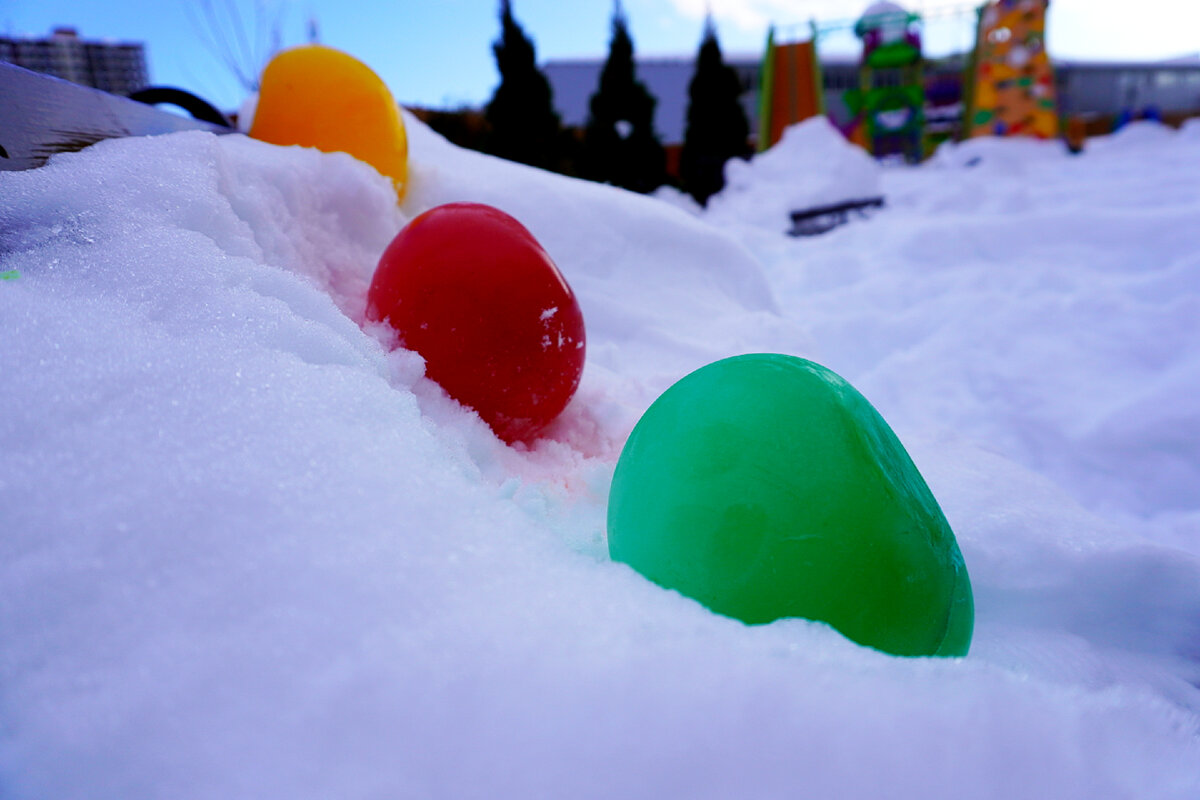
x=524 y=125
x=620 y=146
x=717 y=128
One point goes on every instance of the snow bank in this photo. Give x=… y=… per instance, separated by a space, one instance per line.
x=654 y=283
x=249 y=552
x=1045 y=304
x=812 y=165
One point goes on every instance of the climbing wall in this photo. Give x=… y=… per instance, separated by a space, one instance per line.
x=1012 y=91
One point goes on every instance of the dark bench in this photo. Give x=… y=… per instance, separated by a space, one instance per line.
x=819 y=219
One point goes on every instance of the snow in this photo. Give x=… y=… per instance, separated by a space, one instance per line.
x=811 y=165
x=250 y=551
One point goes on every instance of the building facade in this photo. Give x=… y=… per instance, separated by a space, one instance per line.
x=1090 y=89
x=116 y=67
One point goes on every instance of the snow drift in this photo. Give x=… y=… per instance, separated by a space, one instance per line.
x=249 y=551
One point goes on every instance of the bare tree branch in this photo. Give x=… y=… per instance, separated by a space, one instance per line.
x=242 y=48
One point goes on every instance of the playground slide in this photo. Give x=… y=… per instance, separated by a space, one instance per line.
x=791 y=90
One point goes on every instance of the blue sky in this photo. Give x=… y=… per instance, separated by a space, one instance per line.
x=438 y=52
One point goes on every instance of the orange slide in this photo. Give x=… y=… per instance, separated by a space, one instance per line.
x=791 y=89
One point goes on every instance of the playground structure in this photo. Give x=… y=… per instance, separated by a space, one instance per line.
x=884 y=111
x=791 y=87
x=889 y=103
x=1011 y=81
x=897 y=107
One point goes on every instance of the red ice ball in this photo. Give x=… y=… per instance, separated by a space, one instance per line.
x=471 y=290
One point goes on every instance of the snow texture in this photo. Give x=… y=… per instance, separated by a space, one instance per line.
x=248 y=550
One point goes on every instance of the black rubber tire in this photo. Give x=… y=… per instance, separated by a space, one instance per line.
x=198 y=108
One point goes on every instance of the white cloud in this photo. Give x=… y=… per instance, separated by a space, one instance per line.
x=757 y=14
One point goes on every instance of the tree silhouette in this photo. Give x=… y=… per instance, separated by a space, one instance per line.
x=524 y=124
x=619 y=145
x=717 y=129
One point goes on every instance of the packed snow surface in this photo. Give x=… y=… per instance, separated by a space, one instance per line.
x=248 y=550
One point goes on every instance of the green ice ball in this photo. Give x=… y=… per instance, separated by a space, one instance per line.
x=765 y=486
